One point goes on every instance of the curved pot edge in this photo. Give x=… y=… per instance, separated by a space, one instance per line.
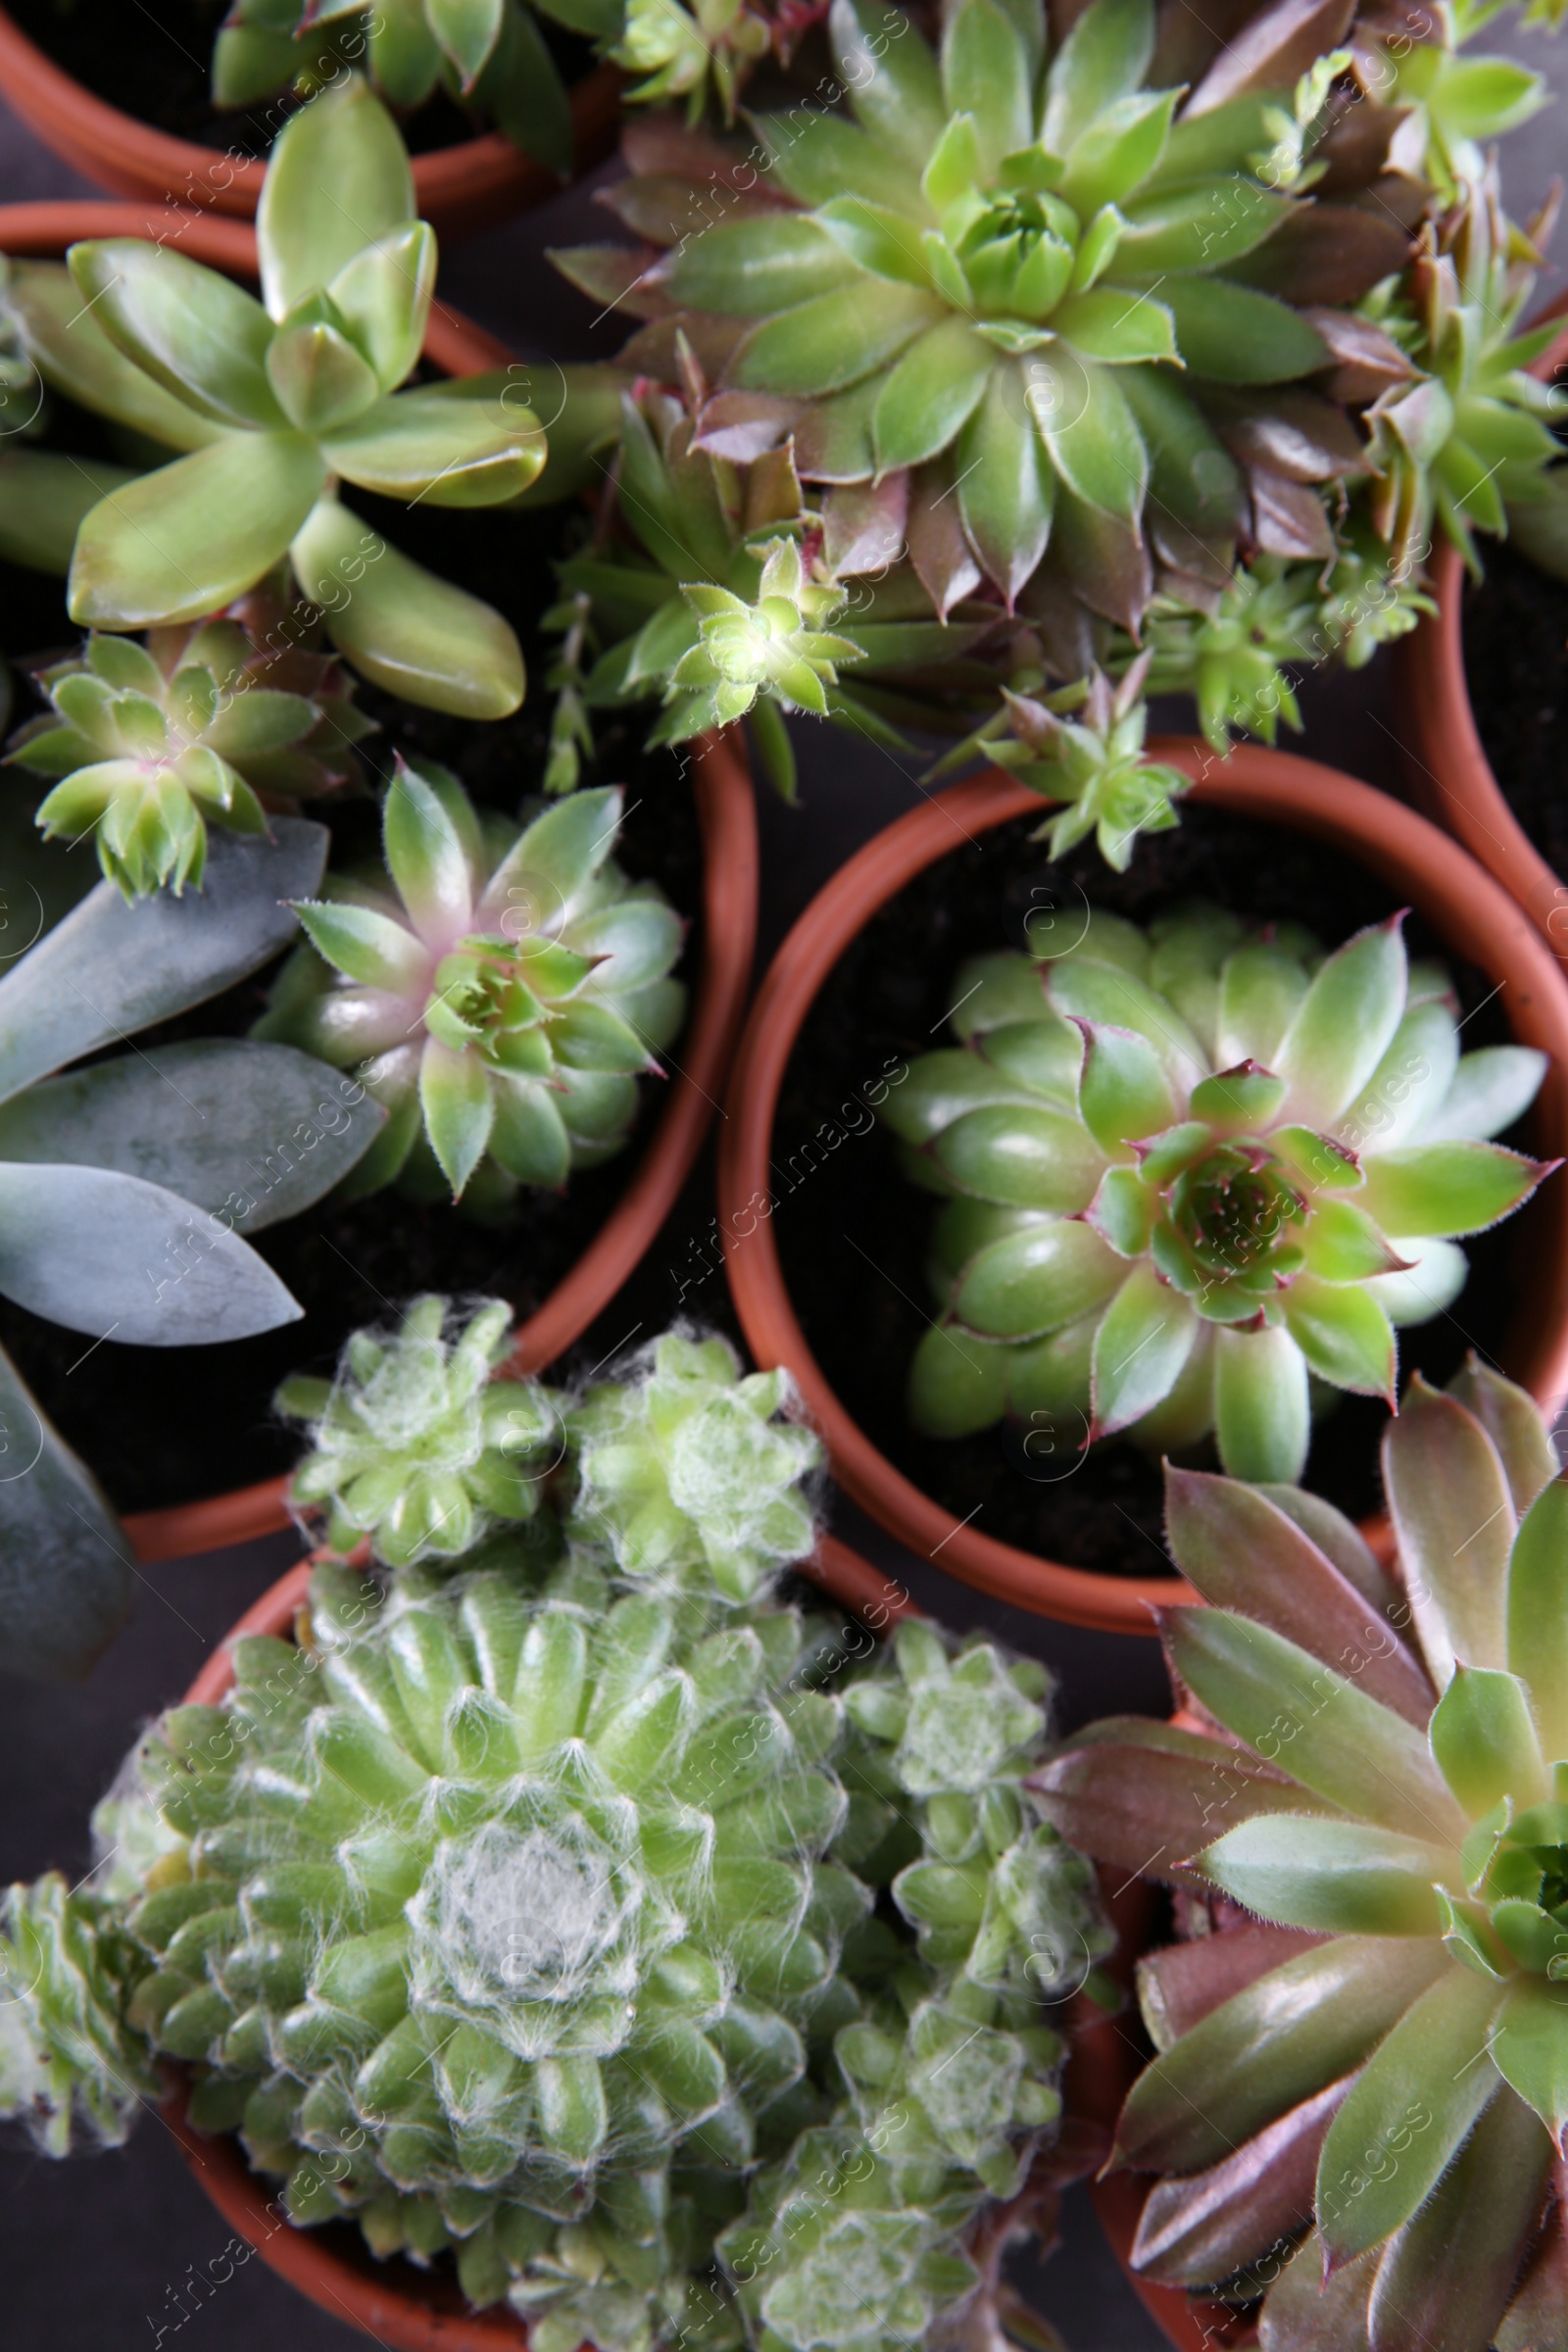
x=459 y=188
x=1471 y=911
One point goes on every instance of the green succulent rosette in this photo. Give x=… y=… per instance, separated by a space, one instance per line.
x=274 y=405
x=1359 y=2100
x=501 y=993
x=70 y=2069
x=153 y=741
x=1192 y=1170
x=417 y=1444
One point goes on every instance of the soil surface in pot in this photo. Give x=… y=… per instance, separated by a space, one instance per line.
x=1516 y=668
x=173 y=1425
x=156 y=63
x=853 y=1232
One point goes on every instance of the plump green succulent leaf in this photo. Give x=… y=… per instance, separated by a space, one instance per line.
x=1538 y=1614
x=1484 y=1742
x=1530 y=2049
x=65 y=1578
x=1338 y=1878
x=196 y=333
x=1344 y=1025
x=75 y=357
x=447 y=453
x=1262 y=1414
x=338 y=178
x=1448 y=1188
x=1145 y=1339
x=148 y=551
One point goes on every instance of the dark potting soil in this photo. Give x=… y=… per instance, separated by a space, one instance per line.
x=1516 y=668
x=166 y=1425
x=156 y=63
x=852 y=1233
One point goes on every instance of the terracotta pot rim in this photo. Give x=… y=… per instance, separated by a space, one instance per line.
x=1471 y=912
x=727 y=818
x=459 y=188
x=400 y=2307
x=1445 y=761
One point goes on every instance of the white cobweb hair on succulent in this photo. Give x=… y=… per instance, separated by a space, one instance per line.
x=692 y=1474
x=421 y=1442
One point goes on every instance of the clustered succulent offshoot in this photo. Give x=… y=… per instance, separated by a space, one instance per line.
x=1134 y=341
x=151 y=742
x=276 y=405
x=1356 y=2110
x=1192 y=1170
x=499 y=993
x=651 y=1945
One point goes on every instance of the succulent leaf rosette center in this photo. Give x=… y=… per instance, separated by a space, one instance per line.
x=1192 y=1170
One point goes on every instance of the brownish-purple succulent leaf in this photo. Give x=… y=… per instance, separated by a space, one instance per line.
x=1103 y=558
x=1302 y=2315
x=1068 y=636
x=1288 y=518
x=1355 y=146
x=665 y=142
x=863 y=524
x=1513 y=1420
x=1189 y=40
x=1345 y=1544
x=1181 y=1985
x=773 y=491
x=1283 y=2039
x=743 y=426
x=1445 y=2278
x=1272 y=51
x=1329 y=253
x=939 y=550
x=1194 y=569
x=1243 y=1552
x=1537 y=2316
x=1365 y=360
x=1146 y=1811
x=651 y=351
x=1453 y=1519
x=664 y=208
x=619 y=278
x=1198 y=2229
x=1296 y=432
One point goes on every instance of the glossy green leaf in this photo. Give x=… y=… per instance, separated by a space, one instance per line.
x=893 y=86
x=833 y=340
x=1453 y=1517
x=1538 y=1614
x=1235 y=336
x=455 y=1098
x=149 y=552
x=1023 y=1157
x=75 y=357
x=200 y=336
x=338 y=178
x=1090 y=432
x=321 y=380
x=446 y=453
x=365 y=944
x=1344 y=1025
x=1262 y=1419
x=958 y=1383
x=818 y=157
x=1124 y=1092
x=1120 y=328
x=755 y=267
x=468 y=31
x=1261 y=990
x=1197 y=229
x=1034 y=1281
x=1117 y=150
x=928 y=395
x=1340 y=1878
x=1484 y=1742
x=384 y=295
x=418 y=636
x=940 y=1088
x=1293 y=2031
x=1006 y=489
x=1312 y=1722
x=1344 y=1334
x=1447 y=1189
x=1449 y=2273
x=1146 y=1336
x=1405 y=2117
x=984 y=75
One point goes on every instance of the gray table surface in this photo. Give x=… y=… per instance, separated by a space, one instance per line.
x=100 y=2255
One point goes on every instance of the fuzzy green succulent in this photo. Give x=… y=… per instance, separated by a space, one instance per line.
x=690 y=1473
x=153 y=741
x=1357 y=2109
x=415 y=1443
x=1192 y=1169
x=567 y=1922
x=69 y=2067
x=274 y=405
x=499 y=992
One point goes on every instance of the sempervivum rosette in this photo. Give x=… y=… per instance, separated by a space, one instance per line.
x=1360 y=2106
x=1190 y=1169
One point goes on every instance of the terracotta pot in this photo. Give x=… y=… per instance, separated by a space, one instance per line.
x=726 y=817
x=458 y=188
x=1447 y=770
x=405 y=2309
x=1469 y=909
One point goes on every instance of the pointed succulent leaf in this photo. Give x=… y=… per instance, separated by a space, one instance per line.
x=383 y=294
x=444 y=452
x=1484 y=1742
x=1341 y=1876
x=338 y=179
x=1530 y=2049
x=1513 y=1420
x=1145 y=1339
x=1538 y=1614
x=1344 y=1334
x=1262 y=1417
x=1489 y=1089
x=1453 y=1517
x=1343 y=1025
x=1448 y=1188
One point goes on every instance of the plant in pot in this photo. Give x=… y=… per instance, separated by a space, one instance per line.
x=1356 y=2106
x=565 y=1905
x=1130 y=341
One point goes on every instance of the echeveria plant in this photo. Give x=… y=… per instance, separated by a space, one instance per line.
x=1356 y=2110
x=417 y=1444
x=128 y=1187
x=492 y=58
x=152 y=741
x=1092 y=325
x=279 y=401
x=1192 y=1168
x=499 y=992
x=571 y=1924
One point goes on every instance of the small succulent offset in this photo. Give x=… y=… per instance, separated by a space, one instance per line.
x=417 y=1444
x=1192 y=1169
x=489 y=58
x=1088 y=751
x=688 y=1475
x=1357 y=2109
x=128 y=1186
x=153 y=741
x=275 y=406
x=574 y=1924
x=709 y=52
x=501 y=997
